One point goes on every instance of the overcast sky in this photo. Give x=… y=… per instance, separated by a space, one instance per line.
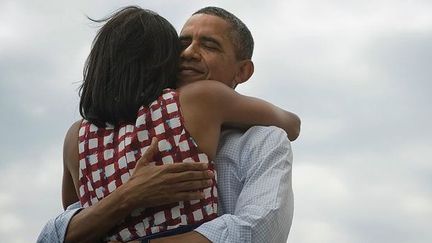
x=357 y=72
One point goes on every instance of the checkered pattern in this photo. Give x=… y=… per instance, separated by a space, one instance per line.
x=108 y=156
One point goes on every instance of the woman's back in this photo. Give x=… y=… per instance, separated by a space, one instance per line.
x=108 y=156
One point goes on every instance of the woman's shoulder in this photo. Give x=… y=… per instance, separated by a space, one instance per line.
x=204 y=85
x=70 y=146
x=73 y=131
x=205 y=90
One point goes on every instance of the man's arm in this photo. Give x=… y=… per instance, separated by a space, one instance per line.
x=261 y=173
x=148 y=186
x=256 y=166
x=55 y=229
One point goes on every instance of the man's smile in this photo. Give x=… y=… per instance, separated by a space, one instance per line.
x=189 y=70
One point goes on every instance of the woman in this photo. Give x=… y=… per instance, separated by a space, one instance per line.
x=128 y=98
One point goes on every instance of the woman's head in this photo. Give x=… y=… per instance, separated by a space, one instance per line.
x=134 y=56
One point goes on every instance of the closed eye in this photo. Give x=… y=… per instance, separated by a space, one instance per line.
x=210 y=43
x=211 y=46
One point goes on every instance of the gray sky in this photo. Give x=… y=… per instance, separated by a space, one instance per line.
x=358 y=73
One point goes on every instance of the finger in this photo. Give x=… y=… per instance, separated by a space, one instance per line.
x=173 y=178
x=149 y=154
x=180 y=167
x=185 y=196
x=188 y=186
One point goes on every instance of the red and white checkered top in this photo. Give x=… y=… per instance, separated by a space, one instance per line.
x=108 y=156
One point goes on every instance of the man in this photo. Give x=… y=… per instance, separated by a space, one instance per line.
x=254 y=167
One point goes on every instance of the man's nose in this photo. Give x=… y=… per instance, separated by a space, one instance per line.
x=191 y=52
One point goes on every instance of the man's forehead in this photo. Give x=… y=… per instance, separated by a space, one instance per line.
x=205 y=25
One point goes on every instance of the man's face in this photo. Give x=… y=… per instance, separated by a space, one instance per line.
x=208 y=52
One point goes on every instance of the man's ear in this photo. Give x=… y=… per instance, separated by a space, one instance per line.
x=245 y=71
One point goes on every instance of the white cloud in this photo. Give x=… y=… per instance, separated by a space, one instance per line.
x=10 y=223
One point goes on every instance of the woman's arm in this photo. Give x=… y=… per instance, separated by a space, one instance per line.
x=70 y=165
x=234 y=109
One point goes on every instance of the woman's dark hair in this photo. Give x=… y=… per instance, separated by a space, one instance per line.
x=134 y=56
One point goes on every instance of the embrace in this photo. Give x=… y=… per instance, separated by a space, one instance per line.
x=167 y=150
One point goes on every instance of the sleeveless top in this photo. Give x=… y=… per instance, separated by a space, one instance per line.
x=108 y=157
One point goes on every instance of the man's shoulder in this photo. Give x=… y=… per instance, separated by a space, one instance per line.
x=255 y=145
x=253 y=136
x=266 y=130
x=255 y=131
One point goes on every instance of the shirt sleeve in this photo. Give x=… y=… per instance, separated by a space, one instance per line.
x=54 y=230
x=264 y=209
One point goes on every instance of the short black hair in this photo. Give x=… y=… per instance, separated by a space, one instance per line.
x=241 y=36
x=134 y=56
